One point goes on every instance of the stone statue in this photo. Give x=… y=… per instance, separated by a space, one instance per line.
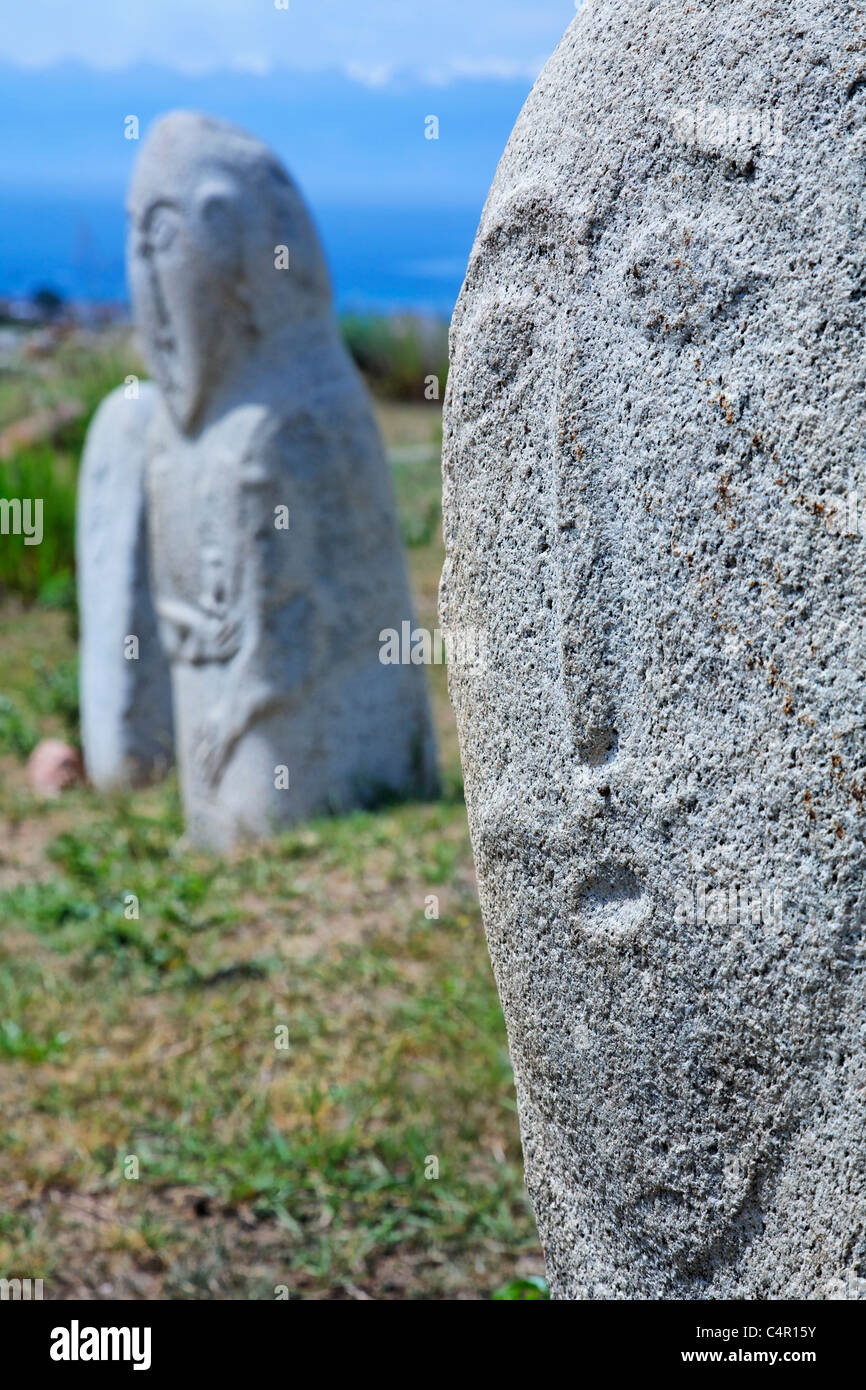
x=125 y=688
x=275 y=556
x=656 y=403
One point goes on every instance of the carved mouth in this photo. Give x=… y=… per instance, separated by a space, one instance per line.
x=610 y=904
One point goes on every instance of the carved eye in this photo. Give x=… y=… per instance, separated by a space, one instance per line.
x=162 y=229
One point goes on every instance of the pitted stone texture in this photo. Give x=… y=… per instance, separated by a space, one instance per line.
x=125 y=688
x=657 y=395
x=276 y=556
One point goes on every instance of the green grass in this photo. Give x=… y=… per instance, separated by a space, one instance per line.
x=144 y=990
x=18 y=733
x=418 y=486
x=154 y=1037
x=41 y=696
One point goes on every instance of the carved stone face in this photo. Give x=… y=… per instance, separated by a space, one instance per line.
x=660 y=754
x=208 y=208
x=178 y=264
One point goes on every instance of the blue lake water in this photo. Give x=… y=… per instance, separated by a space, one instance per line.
x=383 y=259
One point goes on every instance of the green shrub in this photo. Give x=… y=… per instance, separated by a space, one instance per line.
x=397 y=354
x=39 y=473
x=532 y=1289
x=81 y=372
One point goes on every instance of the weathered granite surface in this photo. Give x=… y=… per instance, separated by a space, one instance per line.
x=125 y=689
x=275 y=552
x=656 y=406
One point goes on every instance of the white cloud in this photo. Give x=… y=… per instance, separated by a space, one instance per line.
x=371 y=40
x=370 y=74
x=255 y=63
x=507 y=69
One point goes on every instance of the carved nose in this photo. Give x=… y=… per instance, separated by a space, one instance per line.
x=157 y=296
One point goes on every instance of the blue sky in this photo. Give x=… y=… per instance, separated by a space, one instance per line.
x=339 y=88
x=371 y=40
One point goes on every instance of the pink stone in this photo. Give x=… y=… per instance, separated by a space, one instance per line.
x=54 y=766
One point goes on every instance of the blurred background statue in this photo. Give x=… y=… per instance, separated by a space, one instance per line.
x=275 y=558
